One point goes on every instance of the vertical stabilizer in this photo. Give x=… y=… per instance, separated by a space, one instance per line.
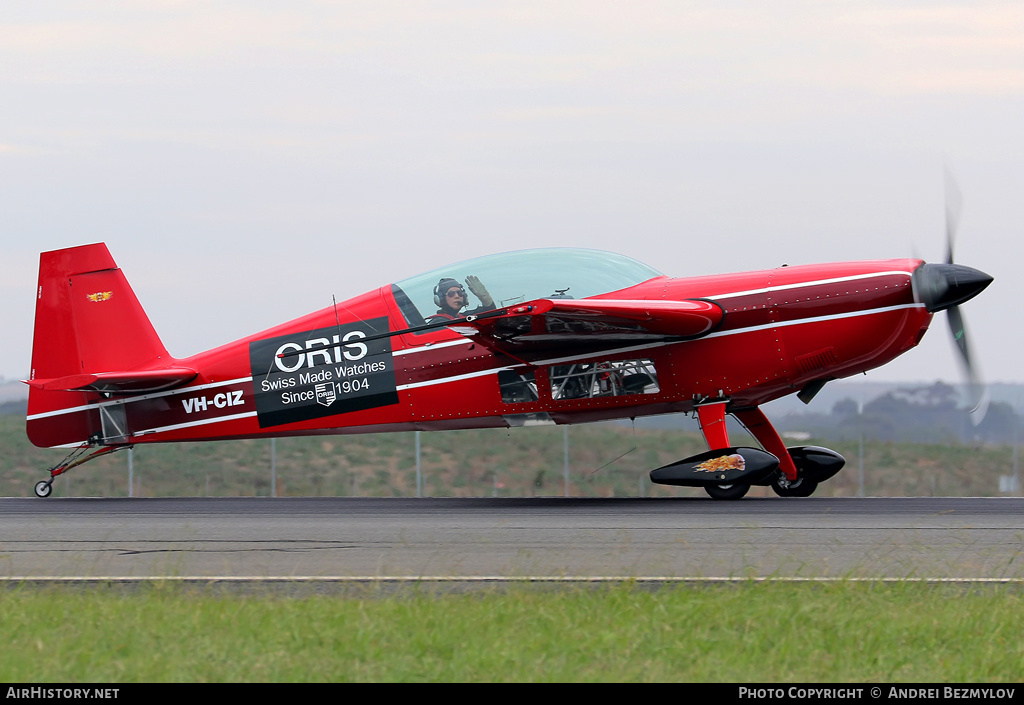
x=91 y=336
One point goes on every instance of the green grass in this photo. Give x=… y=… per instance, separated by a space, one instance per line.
x=760 y=632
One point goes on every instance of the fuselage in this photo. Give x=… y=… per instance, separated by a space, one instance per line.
x=332 y=372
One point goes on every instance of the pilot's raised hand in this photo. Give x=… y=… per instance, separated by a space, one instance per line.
x=479 y=290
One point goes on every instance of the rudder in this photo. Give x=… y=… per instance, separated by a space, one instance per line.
x=91 y=336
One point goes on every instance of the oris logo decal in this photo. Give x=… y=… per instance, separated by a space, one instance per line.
x=320 y=351
x=322 y=372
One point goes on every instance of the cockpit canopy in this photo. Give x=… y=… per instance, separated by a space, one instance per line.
x=515 y=277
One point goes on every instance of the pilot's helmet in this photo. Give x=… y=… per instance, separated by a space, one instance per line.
x=442 y=289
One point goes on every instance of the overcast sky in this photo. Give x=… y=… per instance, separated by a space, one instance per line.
x=245 y=161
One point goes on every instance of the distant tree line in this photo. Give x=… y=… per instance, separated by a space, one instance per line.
x=14 y=407
x=928 y=414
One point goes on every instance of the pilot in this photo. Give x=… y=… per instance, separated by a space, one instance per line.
x=450 y=298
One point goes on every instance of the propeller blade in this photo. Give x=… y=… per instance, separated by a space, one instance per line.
x=956 y=327
x=953 y=205
x=977 y=391
x=945 y=287
x=979 y=411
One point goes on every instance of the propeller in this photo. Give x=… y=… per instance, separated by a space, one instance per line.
x=943 y=287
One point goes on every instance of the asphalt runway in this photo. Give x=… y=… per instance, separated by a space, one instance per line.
x=483 y=539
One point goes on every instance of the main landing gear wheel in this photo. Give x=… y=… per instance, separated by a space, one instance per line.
x=801 y=487
x=43 y=488
x=727 y=491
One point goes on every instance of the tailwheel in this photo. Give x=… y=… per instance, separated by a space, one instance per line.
x=736 y=491
x=44 y=488
x=800 y=487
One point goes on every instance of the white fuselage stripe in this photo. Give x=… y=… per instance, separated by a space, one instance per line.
x=142 y=397
x=816 y=319
x=801 y=285
x=453 y=378
x=431 y=346
x=190 y=424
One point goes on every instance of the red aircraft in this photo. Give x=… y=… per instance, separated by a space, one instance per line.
x=559 y=336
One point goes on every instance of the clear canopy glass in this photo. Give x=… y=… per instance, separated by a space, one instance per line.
x=514 y=277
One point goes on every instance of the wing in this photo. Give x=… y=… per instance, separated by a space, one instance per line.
x=568 y=324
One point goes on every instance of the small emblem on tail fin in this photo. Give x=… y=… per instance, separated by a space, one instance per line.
x=100 y=296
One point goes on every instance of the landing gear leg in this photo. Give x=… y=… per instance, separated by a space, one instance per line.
x=761 y=428
x=797 y=466
x=76 y=457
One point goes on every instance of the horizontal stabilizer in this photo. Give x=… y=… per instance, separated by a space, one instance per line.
x=135 y=382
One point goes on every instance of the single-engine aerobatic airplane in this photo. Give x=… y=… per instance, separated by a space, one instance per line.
x=559 y=336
